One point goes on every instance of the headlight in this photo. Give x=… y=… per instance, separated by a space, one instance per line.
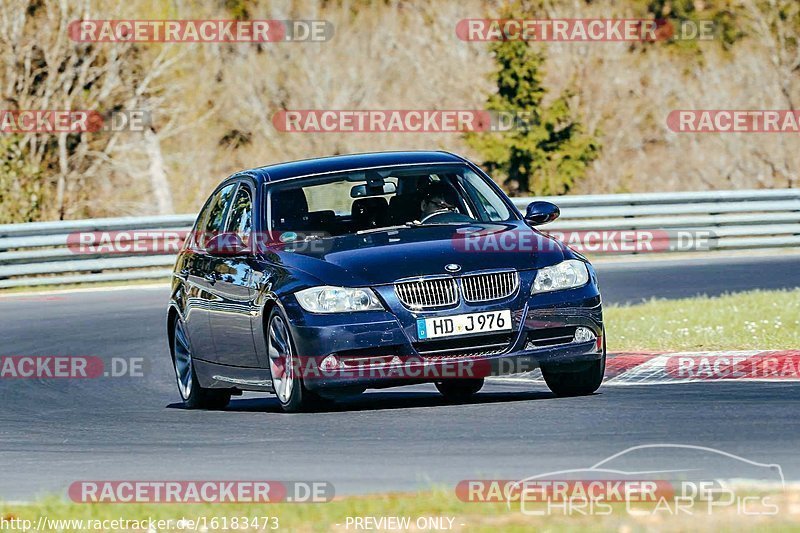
x=337 y=300
x=565 y=275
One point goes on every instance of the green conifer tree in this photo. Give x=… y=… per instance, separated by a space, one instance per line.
x=546 y=151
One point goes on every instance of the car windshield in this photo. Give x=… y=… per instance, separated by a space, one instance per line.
x=375 y=199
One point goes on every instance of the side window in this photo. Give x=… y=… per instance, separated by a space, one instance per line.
x=210 y=222
x=240 y=220
x=196 y=238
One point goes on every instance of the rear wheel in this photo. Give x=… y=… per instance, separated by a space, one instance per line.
x=194 y=396
x=459 y=389
x=285 y=368
x=579 y=381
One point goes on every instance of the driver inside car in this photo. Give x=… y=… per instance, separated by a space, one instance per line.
x=438 y=205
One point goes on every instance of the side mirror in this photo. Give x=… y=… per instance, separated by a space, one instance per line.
x=226 y=244
x=540 y=212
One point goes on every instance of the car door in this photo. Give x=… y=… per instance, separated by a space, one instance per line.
x=197 y=271
x=233 y=288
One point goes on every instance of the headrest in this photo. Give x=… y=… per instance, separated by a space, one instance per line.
x=289 y=204
x=364 y=205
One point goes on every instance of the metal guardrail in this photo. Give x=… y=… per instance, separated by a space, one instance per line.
x=39 y=253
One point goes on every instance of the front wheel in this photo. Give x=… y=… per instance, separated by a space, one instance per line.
x=194 y=396
x=285 y=368
x=581 y=382
x=459 y=389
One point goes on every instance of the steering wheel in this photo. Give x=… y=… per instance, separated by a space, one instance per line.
x=445 y=217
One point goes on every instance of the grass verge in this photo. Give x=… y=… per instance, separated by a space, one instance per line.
x=436 y=503
x=742 y=321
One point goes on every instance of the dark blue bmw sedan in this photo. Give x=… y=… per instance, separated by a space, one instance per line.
x=321 y=278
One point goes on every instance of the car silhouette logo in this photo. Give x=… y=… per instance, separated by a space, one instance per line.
x=452 y=267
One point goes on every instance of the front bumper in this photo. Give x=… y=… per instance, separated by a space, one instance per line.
x=418 y=370
x=385 y=353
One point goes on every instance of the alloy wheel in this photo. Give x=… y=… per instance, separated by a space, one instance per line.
x=183 y=360
x=281 y=359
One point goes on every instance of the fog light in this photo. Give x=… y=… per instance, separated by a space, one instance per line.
x=329 y=363
x=583 y=335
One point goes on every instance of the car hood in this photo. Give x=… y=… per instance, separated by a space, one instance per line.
x=385 y=256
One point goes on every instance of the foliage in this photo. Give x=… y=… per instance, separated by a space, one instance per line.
x=211 y=105
x=22 y=192
x=547 y=151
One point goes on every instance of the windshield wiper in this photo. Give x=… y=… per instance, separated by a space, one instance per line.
x=414 y=224
x=388 y=228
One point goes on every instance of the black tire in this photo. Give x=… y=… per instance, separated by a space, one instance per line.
x=193 y=395
x=459 y=389
x=281 y=351
x=580 y=381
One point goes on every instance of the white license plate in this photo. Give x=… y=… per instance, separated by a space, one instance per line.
x=450 y=326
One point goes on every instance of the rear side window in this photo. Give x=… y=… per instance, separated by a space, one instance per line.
x=210 y=222
x=241 y=217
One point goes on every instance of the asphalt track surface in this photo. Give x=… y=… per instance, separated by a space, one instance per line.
x=55 y=432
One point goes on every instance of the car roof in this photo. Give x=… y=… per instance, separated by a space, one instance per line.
x=342 y=163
